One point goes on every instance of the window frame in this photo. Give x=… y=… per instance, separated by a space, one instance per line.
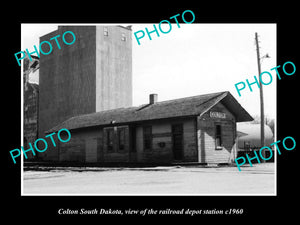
x=147 y=138
x=110 y=139
x=121 y=130
x=218 y=136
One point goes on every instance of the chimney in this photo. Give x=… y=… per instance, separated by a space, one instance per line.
x=152 y=99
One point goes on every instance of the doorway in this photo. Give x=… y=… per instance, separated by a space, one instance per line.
x=177 y=141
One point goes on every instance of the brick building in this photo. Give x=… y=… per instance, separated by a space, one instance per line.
x=195 y=129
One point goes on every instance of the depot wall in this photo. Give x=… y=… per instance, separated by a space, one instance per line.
x=198 y=141
x=162 y=133
x=90 y=144
x=206 y=133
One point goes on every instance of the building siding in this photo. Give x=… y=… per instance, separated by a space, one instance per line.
x=91 y=150
x=72 y=151
x=82 y=147
x=116 y=154
x=162 y=133
x=206 y=136
x=113 y=68
x=198 y=144
x=91 y=144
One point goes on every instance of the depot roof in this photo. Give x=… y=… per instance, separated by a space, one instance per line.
x=183 y=107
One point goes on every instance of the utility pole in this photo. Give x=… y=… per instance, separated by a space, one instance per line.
x=262 y=117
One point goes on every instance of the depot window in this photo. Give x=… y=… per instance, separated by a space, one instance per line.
x=121 y=138
x=110 y=139
x=218 y=136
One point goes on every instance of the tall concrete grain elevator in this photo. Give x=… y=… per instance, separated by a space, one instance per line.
x=91 y=75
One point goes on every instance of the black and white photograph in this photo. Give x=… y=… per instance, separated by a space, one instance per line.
x=138 y=112
x=158 y=117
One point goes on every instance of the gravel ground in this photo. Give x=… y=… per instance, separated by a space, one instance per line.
x=175 y=180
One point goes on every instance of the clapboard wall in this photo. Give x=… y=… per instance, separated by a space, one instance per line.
x=162 y=133
x=206 y=132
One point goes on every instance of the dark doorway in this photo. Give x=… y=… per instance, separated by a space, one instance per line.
x=177 y=139
x=132 y=135
x=132 y=144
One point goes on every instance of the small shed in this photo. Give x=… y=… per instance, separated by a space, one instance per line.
x=194 y=129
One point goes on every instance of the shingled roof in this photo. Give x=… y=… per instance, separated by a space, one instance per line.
x=183 y=107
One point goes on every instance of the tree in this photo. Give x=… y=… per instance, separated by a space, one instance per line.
x=269 y=121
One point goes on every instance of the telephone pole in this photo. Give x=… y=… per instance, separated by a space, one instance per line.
x=262 y=117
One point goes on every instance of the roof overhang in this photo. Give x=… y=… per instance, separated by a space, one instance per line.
x=232 y=105
x=235 y=107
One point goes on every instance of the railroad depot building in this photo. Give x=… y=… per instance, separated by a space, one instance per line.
x=194 y=129
x=86 y=88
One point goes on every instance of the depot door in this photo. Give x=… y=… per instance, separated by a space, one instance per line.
x=177 y=141
x=91 y=150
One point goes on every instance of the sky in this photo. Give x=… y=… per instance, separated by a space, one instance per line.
x=194 y=59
